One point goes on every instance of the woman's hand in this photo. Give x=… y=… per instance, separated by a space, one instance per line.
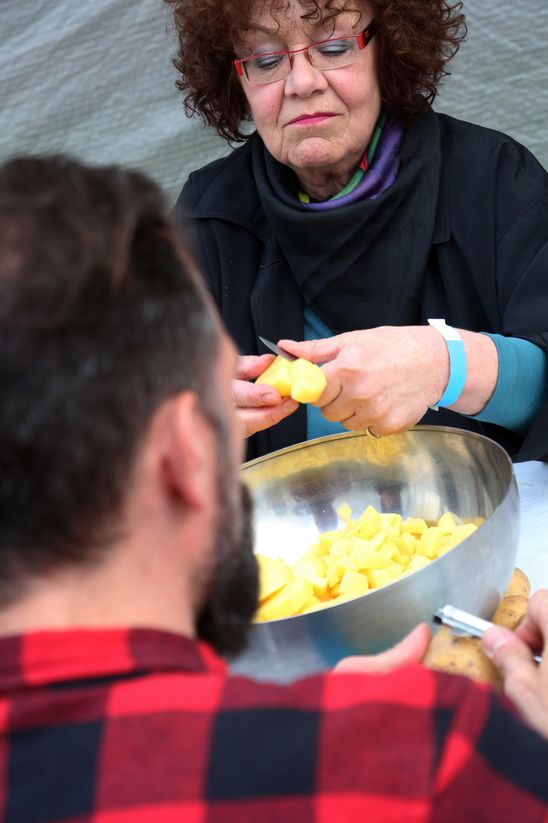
x=386 y=378
x=524 y=681
x=383 y=378
x=258 y=406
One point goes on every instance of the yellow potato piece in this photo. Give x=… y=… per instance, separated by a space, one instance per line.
x=415 y=525
x=378 y=577
x=278 y=375
x=300 y=379
x=307 y=381
x=447 y=522
x=353 y=583
x=314 y=570
x=273 y=575
x=369 y=523
x=405 y=543
x=417 y=562
x=288 y=601
x=430 y=541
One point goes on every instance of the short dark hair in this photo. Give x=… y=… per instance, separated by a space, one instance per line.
x=415 y=41
x=102 y=317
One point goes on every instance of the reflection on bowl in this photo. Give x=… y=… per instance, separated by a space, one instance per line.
x=421 y=473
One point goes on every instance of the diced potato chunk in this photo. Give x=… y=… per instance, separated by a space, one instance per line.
x=288 y=601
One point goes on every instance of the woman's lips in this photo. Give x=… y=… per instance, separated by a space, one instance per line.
x=311 y=119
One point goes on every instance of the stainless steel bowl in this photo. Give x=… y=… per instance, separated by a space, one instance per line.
x=422 y=473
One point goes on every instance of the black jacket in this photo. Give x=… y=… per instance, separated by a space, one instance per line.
x=487 y=270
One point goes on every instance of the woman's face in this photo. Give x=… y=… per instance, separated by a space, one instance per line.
x=318 y=123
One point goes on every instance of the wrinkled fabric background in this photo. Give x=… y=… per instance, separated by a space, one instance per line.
x=95 y=79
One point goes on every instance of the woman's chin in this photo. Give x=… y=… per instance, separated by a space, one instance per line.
x=314 y=153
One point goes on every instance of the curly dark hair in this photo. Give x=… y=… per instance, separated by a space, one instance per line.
x=415 y=41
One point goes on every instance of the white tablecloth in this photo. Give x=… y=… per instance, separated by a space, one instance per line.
x=532 y=479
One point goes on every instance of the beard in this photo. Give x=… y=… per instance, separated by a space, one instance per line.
x=231 y=600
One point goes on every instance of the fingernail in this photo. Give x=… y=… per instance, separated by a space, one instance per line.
x=493 y=640
x=289 y=405
x=268 y=398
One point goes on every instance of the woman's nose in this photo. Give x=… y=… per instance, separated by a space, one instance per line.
x=303 y=78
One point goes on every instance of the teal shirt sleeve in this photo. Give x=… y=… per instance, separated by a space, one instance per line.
x=316 y=424
x=521 y=390
x=522 y=384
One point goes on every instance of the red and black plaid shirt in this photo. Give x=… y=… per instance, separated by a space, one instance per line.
x=145 y=726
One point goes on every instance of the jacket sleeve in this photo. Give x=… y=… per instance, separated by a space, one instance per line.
x=522 y=267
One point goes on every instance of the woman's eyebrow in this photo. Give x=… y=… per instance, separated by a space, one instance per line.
x=256 y=27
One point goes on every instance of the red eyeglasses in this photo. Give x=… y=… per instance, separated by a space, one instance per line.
x=335 y=53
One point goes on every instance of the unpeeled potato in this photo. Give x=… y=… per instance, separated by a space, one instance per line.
x=519 y=584
x=510 y=611
x=464 y=655
x=299 y=379
x=452 y=653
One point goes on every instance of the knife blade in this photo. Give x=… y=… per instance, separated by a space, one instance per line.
x=277 y=350
x=464 y=623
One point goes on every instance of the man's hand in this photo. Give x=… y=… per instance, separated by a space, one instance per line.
x=410 y=650
x=524 y=681
x=258 y=406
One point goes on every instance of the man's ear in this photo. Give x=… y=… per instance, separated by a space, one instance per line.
x=187 y=451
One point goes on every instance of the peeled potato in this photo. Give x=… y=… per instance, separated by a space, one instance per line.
x=278 y=376
x=307 y=381
x=300 y=379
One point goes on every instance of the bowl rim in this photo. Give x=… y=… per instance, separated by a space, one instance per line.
x=350 y=434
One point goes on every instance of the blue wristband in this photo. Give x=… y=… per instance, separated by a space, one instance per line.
x=457 y=362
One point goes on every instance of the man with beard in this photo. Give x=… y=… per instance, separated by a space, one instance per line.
x=126 y=564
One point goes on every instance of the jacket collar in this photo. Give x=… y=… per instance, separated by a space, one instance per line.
x=48 y=657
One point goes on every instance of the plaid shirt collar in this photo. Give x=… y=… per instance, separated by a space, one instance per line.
x=47 y=657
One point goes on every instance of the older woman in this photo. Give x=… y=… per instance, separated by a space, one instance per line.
x=356 y=220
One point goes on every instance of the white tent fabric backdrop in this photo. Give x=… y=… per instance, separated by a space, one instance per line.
x=95 y=79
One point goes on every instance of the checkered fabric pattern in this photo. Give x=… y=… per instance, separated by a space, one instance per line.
x=144 y=726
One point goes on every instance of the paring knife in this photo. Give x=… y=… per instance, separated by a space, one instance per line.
x=276 y=349
x=464 y=623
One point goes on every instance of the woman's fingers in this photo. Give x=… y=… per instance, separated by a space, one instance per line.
x=249 y=367
x=255 y=420
x=253 y=395
x=410 y=650
x=259 y=407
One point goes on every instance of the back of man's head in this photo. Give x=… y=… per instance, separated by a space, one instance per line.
x=101 y=319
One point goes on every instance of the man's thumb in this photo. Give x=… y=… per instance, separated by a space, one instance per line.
x=505 y=649
x=408 y=651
